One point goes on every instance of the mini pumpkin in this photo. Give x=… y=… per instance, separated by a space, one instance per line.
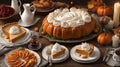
x=104 y=39
x=104 y=11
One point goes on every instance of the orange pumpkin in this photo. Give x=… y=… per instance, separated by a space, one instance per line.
x=104 y=11
x=104 y=39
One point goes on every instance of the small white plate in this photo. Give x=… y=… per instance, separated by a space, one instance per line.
x=33 y=23
x=36 y=54
x=92 y=58
x=57 y=60
x=21 y=41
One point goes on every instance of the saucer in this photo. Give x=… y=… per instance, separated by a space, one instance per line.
x=24 y=25
x=56 y=60
x=92 y=58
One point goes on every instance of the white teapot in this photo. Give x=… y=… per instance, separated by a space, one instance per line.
x=15 y=4
x=27 y=16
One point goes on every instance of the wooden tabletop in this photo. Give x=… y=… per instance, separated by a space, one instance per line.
x=69 y=62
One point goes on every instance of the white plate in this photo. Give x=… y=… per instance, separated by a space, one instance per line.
x=36 y=54
x=56 y=60
x=33 y=23
x=23 y=40
x=92 y=58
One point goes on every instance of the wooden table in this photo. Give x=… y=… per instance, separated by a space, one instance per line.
x=69 y=62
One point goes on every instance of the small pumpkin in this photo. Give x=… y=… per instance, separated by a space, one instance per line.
x=104 y=11
x=104 y=39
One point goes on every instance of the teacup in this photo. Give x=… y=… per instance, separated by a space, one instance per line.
x=116 y=55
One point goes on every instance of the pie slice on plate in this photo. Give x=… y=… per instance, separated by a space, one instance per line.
x=57 y=50
x=85 y=53
x=85 y=50
x=13 y=32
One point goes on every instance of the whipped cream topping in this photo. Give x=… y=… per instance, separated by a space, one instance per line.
x=85 y=46
x=56 y=48
x=14 y=30
x=66 y=18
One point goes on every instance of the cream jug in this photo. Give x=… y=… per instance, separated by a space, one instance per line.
x=27 y=16
x=16 y=5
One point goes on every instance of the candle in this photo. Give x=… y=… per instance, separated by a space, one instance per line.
x=115 y=41
x=116 y=15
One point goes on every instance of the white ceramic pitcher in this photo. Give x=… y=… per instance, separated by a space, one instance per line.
x=27 y=16
x=16 y=5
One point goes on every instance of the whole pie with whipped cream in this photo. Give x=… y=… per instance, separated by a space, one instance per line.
x=85 y=50
x=13 y=32
x=57 y=50
x=65 y=23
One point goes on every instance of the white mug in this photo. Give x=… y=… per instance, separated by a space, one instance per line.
x=116 y=55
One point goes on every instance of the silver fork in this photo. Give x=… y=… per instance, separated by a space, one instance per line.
x=108 y=54
x=49 y=56
x=105 y=54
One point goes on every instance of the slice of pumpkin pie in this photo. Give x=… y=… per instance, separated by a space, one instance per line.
x=13 y=32
x=57 y=50
x=85 y=50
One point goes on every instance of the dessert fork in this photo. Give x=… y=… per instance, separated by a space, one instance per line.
x=105 y=56
x=49 y=56
x=108 y=53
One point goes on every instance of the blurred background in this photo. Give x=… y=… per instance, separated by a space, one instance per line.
x=78 y=2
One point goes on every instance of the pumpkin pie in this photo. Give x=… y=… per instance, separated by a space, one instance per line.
x=13 y=32
x=85 y=50
x=21 y=58
x=57 y=50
